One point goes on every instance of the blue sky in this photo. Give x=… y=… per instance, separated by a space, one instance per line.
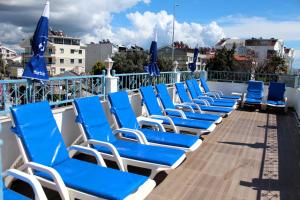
x=229 y=15
x=130 y=22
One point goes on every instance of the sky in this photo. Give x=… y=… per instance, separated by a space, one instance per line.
x=197 y=22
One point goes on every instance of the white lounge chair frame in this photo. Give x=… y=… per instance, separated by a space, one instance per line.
x=67 y=193
x=123 y=162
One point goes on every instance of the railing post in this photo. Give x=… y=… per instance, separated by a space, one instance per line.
x=296 y=82
x=111 y=82
x=177 y=73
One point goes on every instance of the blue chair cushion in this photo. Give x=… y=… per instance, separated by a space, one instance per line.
x=198 y=116
x=216 y=109
x=276 y=103
x=12 y=195
x=231 y=97
x=93 y=119
x=147 y=153
x=276 y=91
x=164 y=96
x=253 y=101
x=167 y=138
x=190 y=123
x=150 y=100
x=121 y=108
x=255 y=90
x=36 y=127
x=99 y=181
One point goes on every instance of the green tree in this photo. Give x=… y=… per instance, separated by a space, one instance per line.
x=164 y=63
x=97 y=68
x=275 y=64
x=130 y=62
x=1 y=64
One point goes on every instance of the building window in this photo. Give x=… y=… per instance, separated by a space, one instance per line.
x=7 y=51
x=62 y=61
x=62 y=70
x=49 y=61
x=50 y=51
x=80 y=61
x=62 y=50
x=80 y=51
x=72 y=61
x=72 y=51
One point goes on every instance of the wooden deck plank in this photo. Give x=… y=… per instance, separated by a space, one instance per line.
x=246 y=157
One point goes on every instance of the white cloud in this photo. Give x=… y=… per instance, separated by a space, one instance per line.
x=245 y=27
x=144 y=25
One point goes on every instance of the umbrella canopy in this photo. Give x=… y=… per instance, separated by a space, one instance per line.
x=152 y=68
x=193 y=65
x=36 y=67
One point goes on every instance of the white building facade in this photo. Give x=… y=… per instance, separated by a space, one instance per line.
x=7 y=54
x=63 y=54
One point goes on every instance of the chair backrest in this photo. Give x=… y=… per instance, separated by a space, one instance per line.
x=39 y=134
x=204 y=84
x=197 y=88
x=122 y=110
x=255 y=90
x=92 y=117
x=182 y=93
x=150 y=100
x=276 y=91
x=164 y=96
x=191 y=88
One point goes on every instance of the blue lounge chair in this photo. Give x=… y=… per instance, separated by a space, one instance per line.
x=97 y=134
x=171 y=109
x=35 y=185
x=126 y=118
x=197 y=103
x=255 y=93
x=276 y=96
x=182 y=123
x=43 y=150
x=196 y=93
x=219 y=94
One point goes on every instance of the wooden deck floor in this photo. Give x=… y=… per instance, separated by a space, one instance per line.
x=251 y=155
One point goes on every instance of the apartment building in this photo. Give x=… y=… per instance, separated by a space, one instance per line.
x=64 y=53
x=8 y=54
x=184 y=56
x=99 y=52
x=261 y=49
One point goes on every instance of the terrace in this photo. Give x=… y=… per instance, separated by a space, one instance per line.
x=251 y=154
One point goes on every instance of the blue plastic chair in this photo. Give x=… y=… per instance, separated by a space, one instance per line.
x=276 y=96
x=195 y=126
x=218 y=94
x=41 y=140
x=196 y=93
x=172 y=110
x=255 y=93
x=198 y=104
x=126 y=118
x=98 y=134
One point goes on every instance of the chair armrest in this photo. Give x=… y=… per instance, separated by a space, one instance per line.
x=31 y=180
x=89 y=151
x=191 y=104
x=206 y=103
x=113 y=150
x=139 y=135
x=166 y=118
x=186 y=106
x=151 y=122
x=213 y=94
x=219 y=92
x=61 y=187
x=206 y=98
x=180 y=112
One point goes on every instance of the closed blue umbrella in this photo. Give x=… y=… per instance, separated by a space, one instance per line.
x=152 y=68
x=193 y=65
x=36 y=67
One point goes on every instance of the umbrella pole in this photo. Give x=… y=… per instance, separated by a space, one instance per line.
x=30 y=90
